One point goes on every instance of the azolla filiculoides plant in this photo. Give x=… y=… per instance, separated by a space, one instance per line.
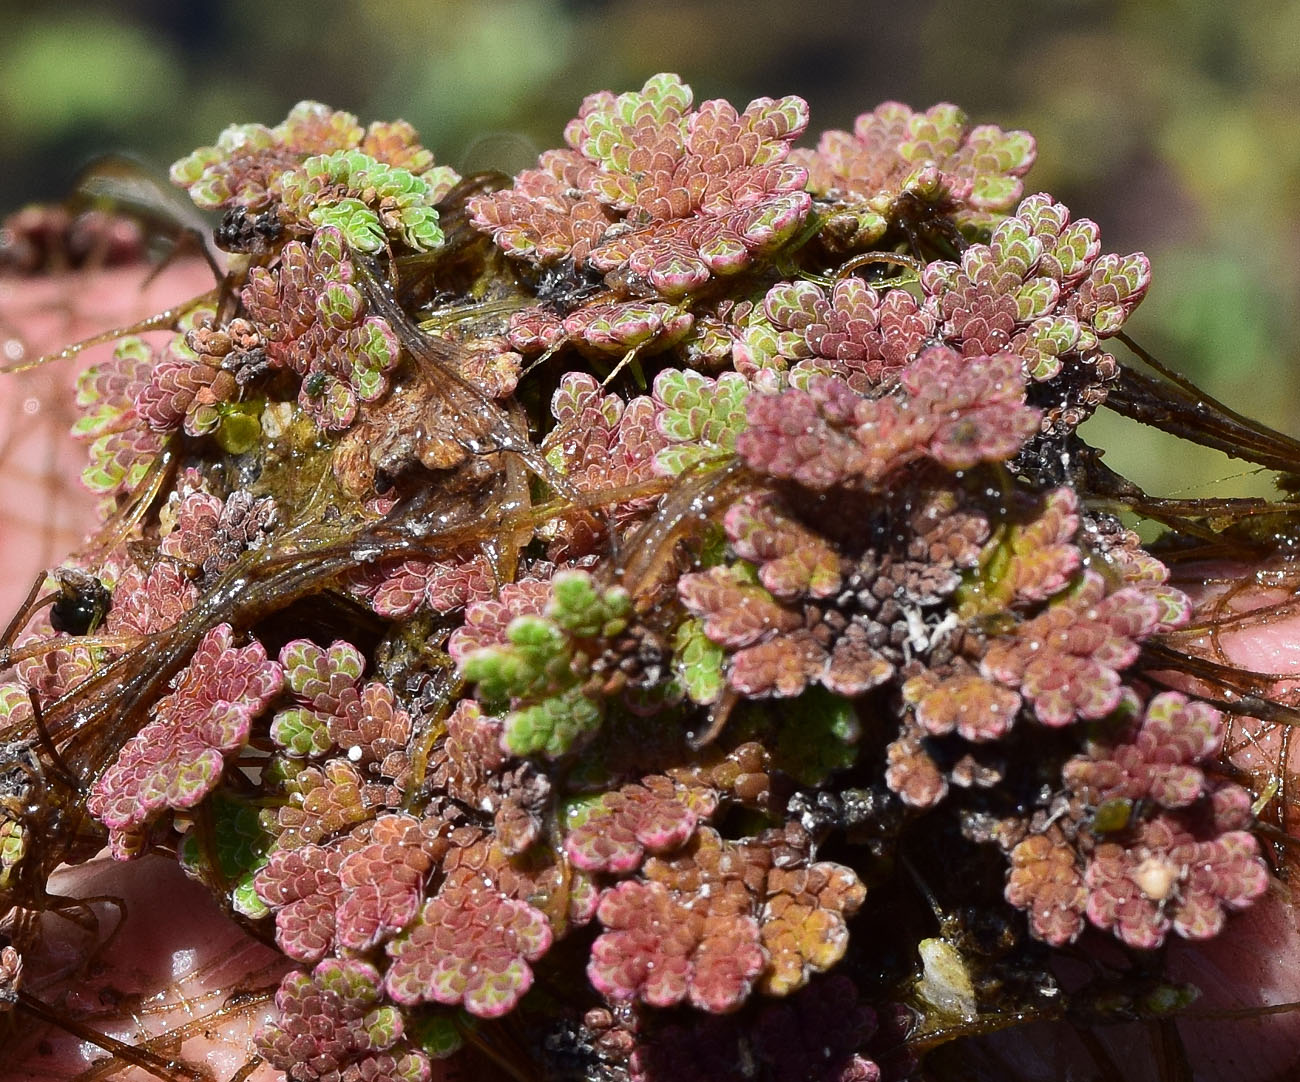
x=649 y=618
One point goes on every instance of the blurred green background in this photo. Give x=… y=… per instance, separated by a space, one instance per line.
x=1173 y=123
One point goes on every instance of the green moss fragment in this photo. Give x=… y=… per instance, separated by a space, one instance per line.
x=698 y=662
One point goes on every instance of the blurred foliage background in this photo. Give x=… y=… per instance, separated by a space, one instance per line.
x=1173 y=123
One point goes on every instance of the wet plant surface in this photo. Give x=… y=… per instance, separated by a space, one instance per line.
x=649 y=618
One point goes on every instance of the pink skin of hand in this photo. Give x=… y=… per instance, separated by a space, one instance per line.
x=171 y=962
x=47 y=512
x=176 y=956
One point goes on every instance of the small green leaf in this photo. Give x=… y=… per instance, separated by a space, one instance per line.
x=244 y=899
x=301 y=732
x=698 y=661
x=582 y=610
x=356 y=221
x=420 y=228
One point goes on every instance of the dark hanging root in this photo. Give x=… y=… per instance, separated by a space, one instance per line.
x=61 y=772
x=1244 y=697
x=1234 y=1013
x=1241 y=528
x=168 y=1070
x=160 y=1065
x=19 y=620
x=1171 y=1053
x=1176 y=405
x=1279 y=837
x=983 y=1026
x=247 y=1069
x=697 y=498
x=1170 y=409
